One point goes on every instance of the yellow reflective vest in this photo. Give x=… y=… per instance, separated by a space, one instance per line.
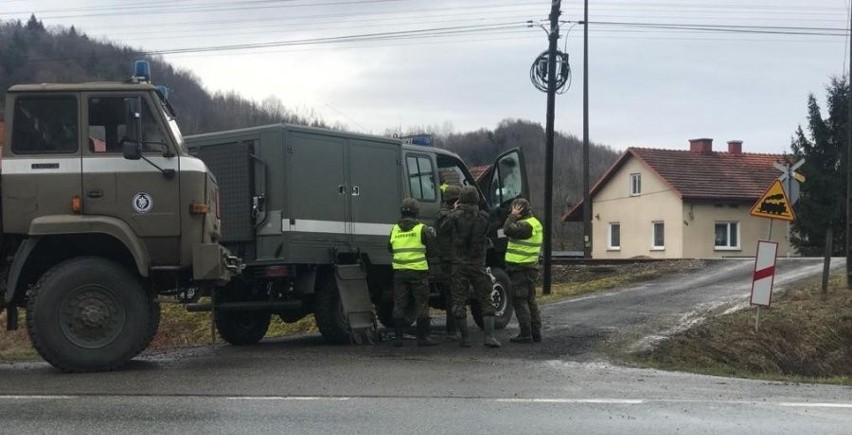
x=526 y=251
x=409 y=252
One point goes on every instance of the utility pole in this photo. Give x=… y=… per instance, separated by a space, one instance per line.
x=587 y=196
x=849 y=162
x=553 y=36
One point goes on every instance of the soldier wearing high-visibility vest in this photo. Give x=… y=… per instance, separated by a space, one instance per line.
x=525 y=235
x=413 y=247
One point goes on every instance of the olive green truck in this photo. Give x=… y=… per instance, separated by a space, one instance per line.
x=103 y=210
x=310 y=210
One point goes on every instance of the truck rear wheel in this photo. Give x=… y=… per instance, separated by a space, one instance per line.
x=89 y=314
x=328 y=310
x=501 y=298
x=242 y=327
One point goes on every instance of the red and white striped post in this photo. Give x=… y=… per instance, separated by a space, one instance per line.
x=764 y=276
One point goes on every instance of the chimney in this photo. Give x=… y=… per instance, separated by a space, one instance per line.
x=703 y=145
x=735 y=147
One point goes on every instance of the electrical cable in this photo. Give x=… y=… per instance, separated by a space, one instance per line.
x=539 y=69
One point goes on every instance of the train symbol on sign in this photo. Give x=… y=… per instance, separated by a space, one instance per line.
x=774 y=204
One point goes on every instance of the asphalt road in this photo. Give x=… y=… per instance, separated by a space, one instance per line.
x=565 y=385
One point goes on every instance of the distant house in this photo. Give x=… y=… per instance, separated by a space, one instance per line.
x=682 y=204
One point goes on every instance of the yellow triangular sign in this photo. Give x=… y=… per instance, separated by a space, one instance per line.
x=774 y=204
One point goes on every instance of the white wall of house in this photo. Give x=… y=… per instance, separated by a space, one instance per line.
x=700 y=235
x=636 y=214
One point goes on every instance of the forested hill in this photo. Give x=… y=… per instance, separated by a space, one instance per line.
x=481 y=147
x=29 y=53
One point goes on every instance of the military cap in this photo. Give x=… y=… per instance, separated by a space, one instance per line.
x=410 y=206
x=451 y=193
x=469 y=195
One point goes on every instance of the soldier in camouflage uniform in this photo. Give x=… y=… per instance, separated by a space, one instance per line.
x=413 y=246
x=469 y=227
x=445 y=244
x=525 y=236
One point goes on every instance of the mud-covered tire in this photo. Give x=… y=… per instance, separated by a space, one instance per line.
x=154 y=324
x=242 y=327
x=89 y=314
x=501 y=295
x=328 y=310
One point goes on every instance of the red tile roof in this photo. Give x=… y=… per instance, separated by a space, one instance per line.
x=477 y=171
x=714 y=175
x=697 y=176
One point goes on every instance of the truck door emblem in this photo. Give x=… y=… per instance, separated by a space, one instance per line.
x=142 y=202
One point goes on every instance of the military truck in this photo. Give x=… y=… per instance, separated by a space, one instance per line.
x=103 y=208
x=310 y=211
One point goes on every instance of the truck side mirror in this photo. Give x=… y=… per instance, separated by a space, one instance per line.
x=131 y=150
x=131 y=143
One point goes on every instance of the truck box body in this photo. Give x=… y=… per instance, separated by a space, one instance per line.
x=301 y=195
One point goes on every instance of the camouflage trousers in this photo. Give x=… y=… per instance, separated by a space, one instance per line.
x=447 y=269
x=470 y=281
x=523 y=296
x=410 y=285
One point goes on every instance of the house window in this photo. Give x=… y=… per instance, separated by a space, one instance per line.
x=614 y=236
x=658 y=235
x=635 y=184
x=727 y=235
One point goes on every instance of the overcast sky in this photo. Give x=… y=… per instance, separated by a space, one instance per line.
x=660 y=71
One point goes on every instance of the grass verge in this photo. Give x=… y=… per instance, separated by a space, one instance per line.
x=803 y=337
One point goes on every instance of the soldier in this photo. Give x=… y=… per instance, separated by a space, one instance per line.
x=525 y=235
x=445 y=244
x=411 y=243
x=470 y=240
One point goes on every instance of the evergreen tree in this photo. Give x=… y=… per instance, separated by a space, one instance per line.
x=823 y=195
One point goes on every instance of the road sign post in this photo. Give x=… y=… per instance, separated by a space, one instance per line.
x=763 y=277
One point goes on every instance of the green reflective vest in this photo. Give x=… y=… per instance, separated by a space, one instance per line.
x=526 y=251
x=409 y=253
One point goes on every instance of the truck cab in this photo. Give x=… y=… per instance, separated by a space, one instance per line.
x=96 y=177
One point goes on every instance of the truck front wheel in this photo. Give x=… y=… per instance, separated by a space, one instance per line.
x=89 y=314
x=501 y=299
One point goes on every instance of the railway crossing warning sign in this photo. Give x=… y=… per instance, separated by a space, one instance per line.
x=774 y=204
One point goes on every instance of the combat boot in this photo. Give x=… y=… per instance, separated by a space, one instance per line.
x=423 y=333
x=525 y=336
x=461 y=322
x=490 y=340
x=536 y=334
x=398 y=329
x=452 y=329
